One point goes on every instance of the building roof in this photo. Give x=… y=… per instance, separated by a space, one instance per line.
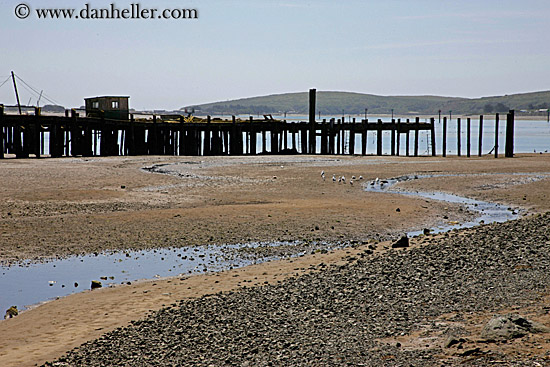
x=106 y=97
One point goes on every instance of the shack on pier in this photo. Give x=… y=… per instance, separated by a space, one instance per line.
x=110 y=107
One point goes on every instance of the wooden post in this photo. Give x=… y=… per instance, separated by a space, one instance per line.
x=432 y=135
x=75 y=135
x=480 y=137
x=331 y=136
x=303 y=138
x=17 y=143
x=496 y=134
x=312 y=127
x=338 y=128
x=264 y=141
x=156 y=148
x=398 y=137
x=207 y=139
x=407 y=136
x=343 y=136
x=1 y=131
x=233 y=136
x=253 y=140
x=458 y=136
x=364 y=128
x=285 y=132
x=444 y=142
x=416 y=131
x=274 y=139
x=37 y=132
x=294 y=138
x=509 y=147
x=468 y=137
x=324 y=137
x=392 y=126
x=379 y=137
x=352 y=138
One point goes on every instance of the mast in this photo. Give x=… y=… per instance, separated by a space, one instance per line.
x=16 y=94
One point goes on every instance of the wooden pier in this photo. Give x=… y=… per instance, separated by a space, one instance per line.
x=73 y=135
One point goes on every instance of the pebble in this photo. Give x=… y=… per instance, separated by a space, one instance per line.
x=336 y=316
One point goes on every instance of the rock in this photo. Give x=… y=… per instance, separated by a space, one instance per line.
x=401 y=243
x=11 y=312
x=511 y=326
x=453 y=341
x=96 y=284
x=398 y=210
x=426 y=231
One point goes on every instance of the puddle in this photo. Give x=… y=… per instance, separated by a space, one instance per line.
x=486 y=212
x=29 y=283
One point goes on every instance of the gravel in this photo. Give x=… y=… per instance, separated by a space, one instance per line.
x=336 y=315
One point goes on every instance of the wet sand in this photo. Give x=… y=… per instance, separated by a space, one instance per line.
x=55 y=208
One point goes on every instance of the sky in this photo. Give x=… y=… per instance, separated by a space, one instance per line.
x=245 y=48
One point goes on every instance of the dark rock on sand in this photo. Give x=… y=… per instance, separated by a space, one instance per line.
x=401 y=243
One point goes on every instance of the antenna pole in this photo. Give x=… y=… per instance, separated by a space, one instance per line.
x=16 y=93
x=39 y=97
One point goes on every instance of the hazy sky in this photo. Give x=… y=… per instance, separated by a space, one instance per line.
x=243 y=48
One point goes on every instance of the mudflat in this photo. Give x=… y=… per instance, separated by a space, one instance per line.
x=60 y=207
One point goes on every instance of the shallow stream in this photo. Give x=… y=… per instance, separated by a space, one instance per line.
x=30 y=283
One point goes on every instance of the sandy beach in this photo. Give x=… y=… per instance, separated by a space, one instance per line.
x=54 y=208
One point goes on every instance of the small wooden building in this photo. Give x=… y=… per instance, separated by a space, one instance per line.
x=110 y=107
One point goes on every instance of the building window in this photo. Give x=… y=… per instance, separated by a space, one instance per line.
x=114 y=104
x=95 y=104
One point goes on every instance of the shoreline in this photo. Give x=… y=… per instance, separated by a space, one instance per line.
x=241 y=190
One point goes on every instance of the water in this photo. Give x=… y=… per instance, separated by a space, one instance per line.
x=486 y=212
x=29 y=284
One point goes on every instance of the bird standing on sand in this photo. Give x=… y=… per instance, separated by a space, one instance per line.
x=351 y=182
x=344 y=179
x=333 y=178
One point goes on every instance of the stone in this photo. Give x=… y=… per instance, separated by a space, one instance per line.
x=96 y=284
x=453 y=341
x=511 y=326
x=401 y=243
x=11 y=312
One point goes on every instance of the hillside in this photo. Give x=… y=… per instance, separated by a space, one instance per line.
x=355 y=103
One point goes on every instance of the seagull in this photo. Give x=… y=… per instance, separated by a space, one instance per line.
x=339 y=179
x=353 y=177
x=333 y=178
x=344 y=179
x=360 y=177
x=322 y=173
x=351 y=182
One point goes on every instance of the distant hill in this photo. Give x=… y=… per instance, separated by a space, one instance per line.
x=333 y=103
x=53 y=108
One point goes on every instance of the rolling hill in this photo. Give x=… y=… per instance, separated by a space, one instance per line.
x=355 y=103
